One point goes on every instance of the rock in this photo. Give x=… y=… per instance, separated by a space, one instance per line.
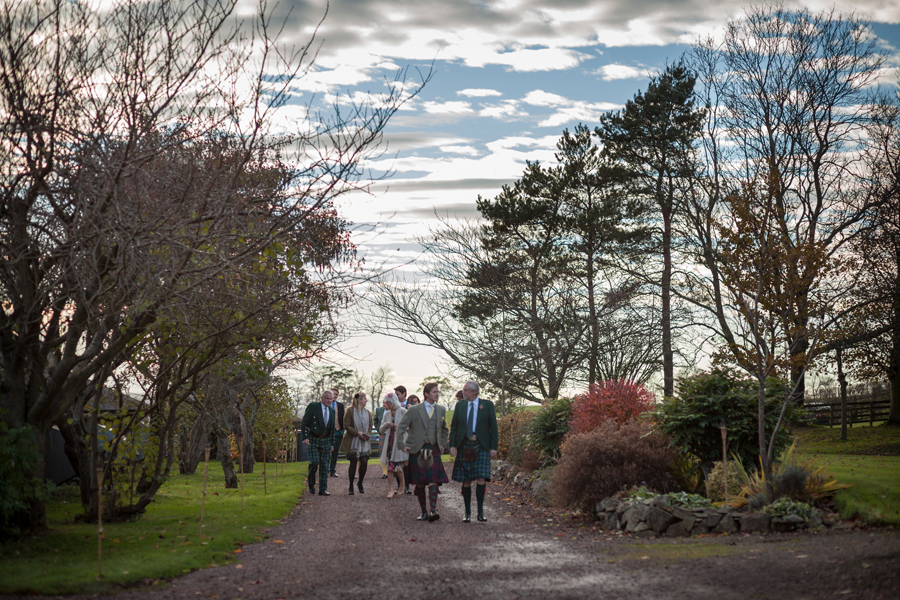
x=756 y=523
x=659 y=520
x=642 y=526
x=782 y=525
x=641 y=511
x=726 y=524
x=699 y=527
x=681 y=528
x=521 y=479
x=608 y=521
x=682 y=513
x=660 y=501
x=795 y=519
x=647 y=533
x=712 y=520
x=607 y=505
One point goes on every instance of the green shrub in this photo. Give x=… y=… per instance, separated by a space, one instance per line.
x=783 y=507
x=598 y=464
x=549 y=428
x=687 y=473
x=18 y=457
x=693 y=417
x=715 y=484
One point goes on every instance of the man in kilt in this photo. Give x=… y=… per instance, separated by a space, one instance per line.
x=473 y=442
x=317 y=432
x=423 y=435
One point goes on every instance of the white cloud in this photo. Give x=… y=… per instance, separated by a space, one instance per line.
x=613 y=72
x=478 y=93
x=466 y=150
x=445 y=108
x=542 y=98
x=508 y=108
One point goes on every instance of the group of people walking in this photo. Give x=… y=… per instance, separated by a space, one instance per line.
x=414 y=436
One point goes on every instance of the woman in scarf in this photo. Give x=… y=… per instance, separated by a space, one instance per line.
x=391 y=455
x=355 y=445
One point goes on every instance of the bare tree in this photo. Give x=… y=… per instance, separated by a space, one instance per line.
x=789 y=96
x=125 y=140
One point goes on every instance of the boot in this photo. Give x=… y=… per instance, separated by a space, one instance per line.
x=311 y=478
x=351 y=472
x=363 y=467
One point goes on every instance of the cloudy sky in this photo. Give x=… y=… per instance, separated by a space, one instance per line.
x=508 y=77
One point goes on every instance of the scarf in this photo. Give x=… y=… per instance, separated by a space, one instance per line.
x=361 y=422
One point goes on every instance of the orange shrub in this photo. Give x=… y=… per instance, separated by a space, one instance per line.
x=614 y=400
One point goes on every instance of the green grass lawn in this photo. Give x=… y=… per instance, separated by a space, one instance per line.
x=164 y=542
x=869 y=460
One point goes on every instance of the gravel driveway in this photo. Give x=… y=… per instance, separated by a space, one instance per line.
x=367 y=546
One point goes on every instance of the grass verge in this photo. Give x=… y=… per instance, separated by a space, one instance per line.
x=869 y=460
x=164 y=542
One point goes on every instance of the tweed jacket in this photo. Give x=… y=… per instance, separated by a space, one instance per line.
x=485 y=425
x=312 y=422
x=415 y=425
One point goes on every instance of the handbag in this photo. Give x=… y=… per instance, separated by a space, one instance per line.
x=469 y=455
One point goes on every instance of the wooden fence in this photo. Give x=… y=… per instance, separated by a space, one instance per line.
x=863 y=406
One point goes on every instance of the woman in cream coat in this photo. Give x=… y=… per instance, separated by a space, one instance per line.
x=391 y=455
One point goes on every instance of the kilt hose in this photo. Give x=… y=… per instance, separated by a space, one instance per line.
x=479 y=469
x=433 y=474
x=319 y=455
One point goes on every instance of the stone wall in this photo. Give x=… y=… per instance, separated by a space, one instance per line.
x=656 y=516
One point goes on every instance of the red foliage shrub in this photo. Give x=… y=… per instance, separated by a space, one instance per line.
x=614 y=400
x=598 y=464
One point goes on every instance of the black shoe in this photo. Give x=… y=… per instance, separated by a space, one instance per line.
x=351 y=489
x=482 y=519
x=423 y=517
x=467 y=519
x=323 y=493
x=312 y=489
x=408 y=491
x=433 y=516
x=332 y=474
x=384 y=476
x=360 y=487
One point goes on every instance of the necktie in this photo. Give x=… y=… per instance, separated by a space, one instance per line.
x=471 y=430
x=428 y=408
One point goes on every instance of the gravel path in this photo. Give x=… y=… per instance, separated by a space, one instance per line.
x=368 y=546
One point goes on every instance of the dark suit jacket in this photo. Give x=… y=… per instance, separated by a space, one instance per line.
x=312 y=422
x=379 y=415
x=485 y=425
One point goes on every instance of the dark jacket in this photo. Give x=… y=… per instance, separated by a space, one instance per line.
x=312 y=422
x=485 y=425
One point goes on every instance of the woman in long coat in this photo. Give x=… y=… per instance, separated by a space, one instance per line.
x=355 y=445
x=391 y=455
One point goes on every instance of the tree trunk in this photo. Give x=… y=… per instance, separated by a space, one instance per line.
x=666 y=284
x=842 y=379
x=231 y=480
x=198 y=439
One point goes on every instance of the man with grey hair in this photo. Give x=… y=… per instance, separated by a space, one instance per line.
x=317 y=432
x=473 y=443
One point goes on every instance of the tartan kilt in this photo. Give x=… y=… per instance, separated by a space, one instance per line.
x=420 y=476
x=318 y=451
x=480 y=469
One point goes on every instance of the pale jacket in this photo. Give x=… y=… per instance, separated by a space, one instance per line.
x=396 y=454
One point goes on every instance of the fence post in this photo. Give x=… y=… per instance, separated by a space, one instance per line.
x=872 y=410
